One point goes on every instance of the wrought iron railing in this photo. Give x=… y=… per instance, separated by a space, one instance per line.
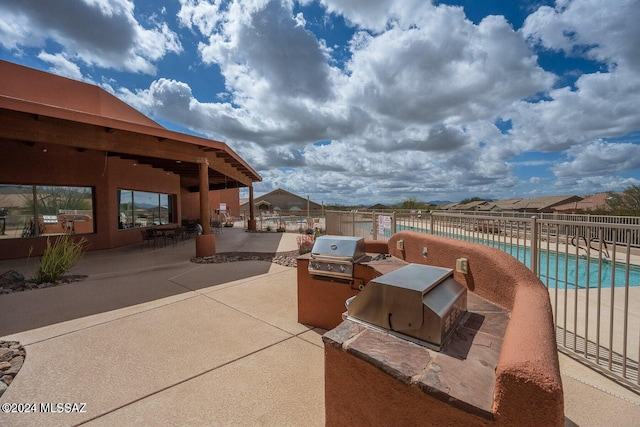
x=589 y=264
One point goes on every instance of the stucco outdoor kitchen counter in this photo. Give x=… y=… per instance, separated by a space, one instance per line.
x=462 y=374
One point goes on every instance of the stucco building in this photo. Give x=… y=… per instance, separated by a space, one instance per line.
x=75 y=158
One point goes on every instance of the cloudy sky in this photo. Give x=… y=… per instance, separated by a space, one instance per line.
x=368 y=101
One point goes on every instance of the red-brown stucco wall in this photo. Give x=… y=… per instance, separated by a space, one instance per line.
x=321 y=302
x=528 y=387
x=359 y=394
x=191 y=203
x=127 y=175
x=25 y=164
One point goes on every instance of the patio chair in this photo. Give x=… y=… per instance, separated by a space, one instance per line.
x=172 y=235
x=189 y=229
x=148 y=235
x=216 y=226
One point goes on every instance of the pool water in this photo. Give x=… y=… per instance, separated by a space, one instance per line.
x=567 y=270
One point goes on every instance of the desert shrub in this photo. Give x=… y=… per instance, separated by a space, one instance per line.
x=59 y=257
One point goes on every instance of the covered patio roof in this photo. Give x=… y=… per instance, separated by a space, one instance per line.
x=38 y=107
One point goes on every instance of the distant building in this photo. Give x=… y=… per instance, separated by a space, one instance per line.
x=282 y=202
x=477 y=205
x=508 y=205
x=545 y=204
x=474 y=206
x=448 y=206
x=377 y=207
x=596 y=202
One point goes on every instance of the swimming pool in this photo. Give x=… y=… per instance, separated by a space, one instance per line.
x=564 y=270
x=567 y=270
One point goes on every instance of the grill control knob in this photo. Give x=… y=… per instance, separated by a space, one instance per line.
x=342 y=269
x=329 y=267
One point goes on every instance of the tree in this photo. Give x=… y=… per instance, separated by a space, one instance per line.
x=413 y=203
x=627 y=202
x=51 y=200
x=410 y=203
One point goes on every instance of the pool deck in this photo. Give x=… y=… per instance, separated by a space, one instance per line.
x=150 y=338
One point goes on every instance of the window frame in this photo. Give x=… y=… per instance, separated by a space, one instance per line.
x=145 y=209
x=57 y=209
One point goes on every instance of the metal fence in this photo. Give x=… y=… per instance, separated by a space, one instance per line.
x=589 y=264
x=293 y=221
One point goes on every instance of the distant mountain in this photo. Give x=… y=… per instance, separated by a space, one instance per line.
x=439 y=202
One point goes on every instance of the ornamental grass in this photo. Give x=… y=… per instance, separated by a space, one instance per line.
x=59 y=257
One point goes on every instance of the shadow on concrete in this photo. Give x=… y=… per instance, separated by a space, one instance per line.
x=129 y=276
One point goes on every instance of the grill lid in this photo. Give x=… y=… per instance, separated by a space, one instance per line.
x=338 y=248
x=422 y=303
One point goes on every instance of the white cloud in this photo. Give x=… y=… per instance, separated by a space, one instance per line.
x=202 y=15
x=249 y=51
x=407 y=113
x=379 y=15
x=419 y=77
x=601 y=104
x=597 y=29
x=431 y=74
x=62 y=66
x=413 y=111
x=408 y=106
x=97 y=33
x=599 y=158
x=591 y=184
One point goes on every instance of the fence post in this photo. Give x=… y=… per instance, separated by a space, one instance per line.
x=534 y=244
x=431 y=222
x=353 y=223
x=374 y=227
x=393 y=223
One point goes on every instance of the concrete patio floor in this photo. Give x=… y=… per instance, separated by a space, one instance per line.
x=150 y=338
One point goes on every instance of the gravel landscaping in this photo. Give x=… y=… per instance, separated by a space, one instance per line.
x=11 y=359
x=288 y=259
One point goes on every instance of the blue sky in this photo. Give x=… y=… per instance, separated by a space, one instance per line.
x=369 y=101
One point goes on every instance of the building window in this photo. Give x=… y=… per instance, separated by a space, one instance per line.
x=145 y=209
x=44 y=210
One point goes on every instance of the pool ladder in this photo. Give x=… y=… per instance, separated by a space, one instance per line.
x=575 y=241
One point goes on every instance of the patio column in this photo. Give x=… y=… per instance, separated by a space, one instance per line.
x=252 y=219
x=206 y=242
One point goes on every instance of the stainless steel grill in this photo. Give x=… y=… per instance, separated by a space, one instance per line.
x=418 y=302
x=334 y=256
